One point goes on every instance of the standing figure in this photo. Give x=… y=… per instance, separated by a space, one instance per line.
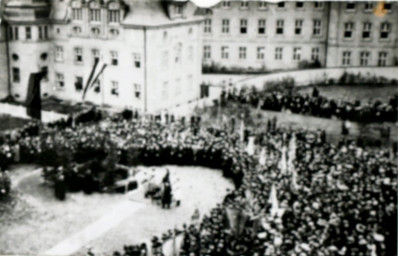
x=166 y=197
x=345 y=128
x=60 y=188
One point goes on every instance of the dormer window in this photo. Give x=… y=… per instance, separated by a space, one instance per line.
x=244 y=4
x=114 y=13
x=95 y=31
x=387 y=7
x=114 y=16
x=77 y=30
x=95 y=12
x=77 y=14
x=350 y=6
x=114 y=32
x=226 y=4
x=178 y=9
x=262 y=5
x=368 y=6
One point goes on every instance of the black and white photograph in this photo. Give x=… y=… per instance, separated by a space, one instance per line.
x=198 y=128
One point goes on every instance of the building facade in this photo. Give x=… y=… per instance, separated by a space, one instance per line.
x=152 y=51
x=148 y=51
x=4 y=83
x=258 y=35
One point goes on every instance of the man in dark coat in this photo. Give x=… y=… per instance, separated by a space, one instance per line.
x=166 y=198
x=60 y=188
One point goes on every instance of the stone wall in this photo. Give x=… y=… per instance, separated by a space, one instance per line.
x=301 y=77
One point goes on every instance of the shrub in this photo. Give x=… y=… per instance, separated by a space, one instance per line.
x=283 y=85
x=359 y=79
x=305 y=64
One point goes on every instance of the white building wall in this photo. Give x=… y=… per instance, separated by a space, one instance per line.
x=172 y=82
x=128 y=43
x=29 y=60
x=270 y=40
x=3 y=62
x=338 y=44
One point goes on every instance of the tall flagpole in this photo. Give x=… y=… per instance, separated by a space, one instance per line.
x=102 y=90
x=174 y=241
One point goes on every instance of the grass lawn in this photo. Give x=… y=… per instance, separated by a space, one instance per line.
x=355 y=92
x=9 y=122
x=255 y=118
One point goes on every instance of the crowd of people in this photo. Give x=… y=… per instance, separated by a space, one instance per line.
x=295 y=193
x=317 y=105
x=335 y=199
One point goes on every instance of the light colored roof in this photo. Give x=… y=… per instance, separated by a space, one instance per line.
x=139 y=12
x=154 y=13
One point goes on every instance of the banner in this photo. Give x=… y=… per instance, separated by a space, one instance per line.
x=237 y=220
x=242 y=131
x=273 y=200
x=263 y=157
x=90 y=77
x=33 y=98
x=98 y=69
x=251 y=146
x=283 y=161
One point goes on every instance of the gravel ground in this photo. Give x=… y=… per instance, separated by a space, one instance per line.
x=36 y=221
x=201 y=188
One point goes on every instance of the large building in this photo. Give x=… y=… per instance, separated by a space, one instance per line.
x=258 y=35
x=150 y=50
x=154 y=49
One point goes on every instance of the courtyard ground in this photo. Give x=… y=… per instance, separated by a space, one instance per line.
x=9 y=122
x=38 y=224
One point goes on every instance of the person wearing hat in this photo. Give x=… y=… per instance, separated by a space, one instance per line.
x=60 y=186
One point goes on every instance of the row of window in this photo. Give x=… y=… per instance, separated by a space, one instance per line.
x=95 y=31
x=114 y=58
x=364 y=58
x=262 y=5
x=13 y=32
x=242 y=53
x=385 y=27
x=261 y=26
x=114 y=89
x=95 y=53
x=297 y=55
x=95 y=15
x=368 y=7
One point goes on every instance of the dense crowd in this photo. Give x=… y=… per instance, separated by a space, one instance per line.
x=317 y=105
x=295 y=193
x=334 y=199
